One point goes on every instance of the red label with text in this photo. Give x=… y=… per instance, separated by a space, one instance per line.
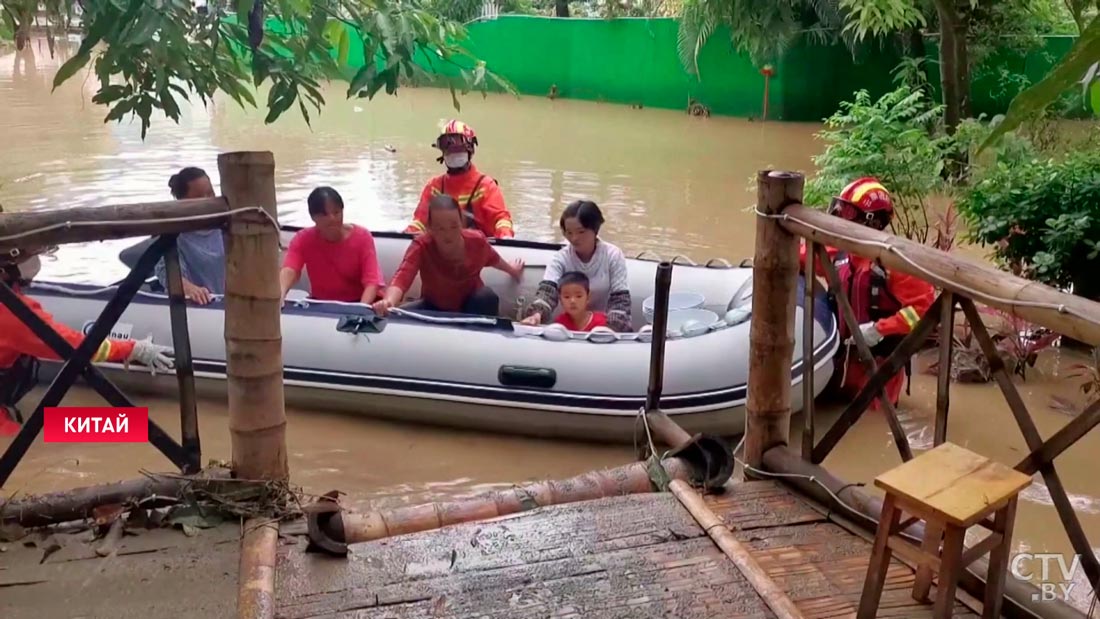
x=103 y=424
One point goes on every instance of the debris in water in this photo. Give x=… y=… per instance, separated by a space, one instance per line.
x=50 y=546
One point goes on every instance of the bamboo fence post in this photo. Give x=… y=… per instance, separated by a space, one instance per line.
x=771 y=335
x=253 y=319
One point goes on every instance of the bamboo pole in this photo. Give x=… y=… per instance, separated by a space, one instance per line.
x=808 y=273
x=98 y=223
x=256 y=593
x=864 y=509
x=1067 y=314
x=253 y=329
x=332 y=529
x=78 y=503
x=775 y=597
x=771 y=335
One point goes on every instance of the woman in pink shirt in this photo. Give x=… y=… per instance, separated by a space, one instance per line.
x=340 y=258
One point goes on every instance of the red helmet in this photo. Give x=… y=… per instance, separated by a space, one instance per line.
x=454 y=133
x=864 y=200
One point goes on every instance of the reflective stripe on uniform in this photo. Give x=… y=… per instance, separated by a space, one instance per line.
x=504 y=223
x=104 y=352
x=910 y=315
x=418 y=226
x=461 y=198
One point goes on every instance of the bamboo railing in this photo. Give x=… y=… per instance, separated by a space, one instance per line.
x=782 y=222
x=248 y=215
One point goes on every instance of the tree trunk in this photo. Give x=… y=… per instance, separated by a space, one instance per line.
x=949 y=64
x=962 y=60
x=23 y=22
x=561 y=8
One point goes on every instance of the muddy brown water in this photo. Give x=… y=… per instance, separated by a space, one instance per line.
x=668 y=183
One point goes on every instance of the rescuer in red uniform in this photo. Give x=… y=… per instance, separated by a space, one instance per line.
x=477 y=194
x=887 y=304
x=20 y=348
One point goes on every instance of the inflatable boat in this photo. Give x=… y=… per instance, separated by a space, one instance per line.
x=485 y=373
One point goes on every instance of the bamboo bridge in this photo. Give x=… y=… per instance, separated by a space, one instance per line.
x=684 y=535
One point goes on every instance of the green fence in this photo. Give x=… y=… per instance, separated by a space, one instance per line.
x=634 y=61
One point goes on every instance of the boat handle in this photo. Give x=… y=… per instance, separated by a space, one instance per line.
x=525 y=376
x=682 y=259
x=647 y=255
x=719 y=261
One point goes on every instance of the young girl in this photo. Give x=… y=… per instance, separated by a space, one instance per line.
x=573 y=289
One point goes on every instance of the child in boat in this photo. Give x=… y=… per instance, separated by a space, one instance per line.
x=573 y=291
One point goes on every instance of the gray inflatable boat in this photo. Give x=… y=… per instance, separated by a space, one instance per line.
x=480 y=373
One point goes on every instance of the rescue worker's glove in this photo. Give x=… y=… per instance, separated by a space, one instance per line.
x=152 y=355
x=870 y=334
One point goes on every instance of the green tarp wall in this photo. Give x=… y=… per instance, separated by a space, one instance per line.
x=635 y=61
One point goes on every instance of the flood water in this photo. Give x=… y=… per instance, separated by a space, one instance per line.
x=667 y=183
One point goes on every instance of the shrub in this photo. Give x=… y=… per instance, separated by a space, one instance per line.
x=1042 y=218
x=893 y=139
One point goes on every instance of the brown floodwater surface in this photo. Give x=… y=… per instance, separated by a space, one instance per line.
x=667 y=183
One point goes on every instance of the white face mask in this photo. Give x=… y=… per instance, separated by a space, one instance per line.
x=456 y=160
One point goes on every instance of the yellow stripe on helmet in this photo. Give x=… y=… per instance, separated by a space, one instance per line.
x=863 y=189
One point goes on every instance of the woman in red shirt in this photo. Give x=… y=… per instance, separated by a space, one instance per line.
x=449 y=259
x=340 y=258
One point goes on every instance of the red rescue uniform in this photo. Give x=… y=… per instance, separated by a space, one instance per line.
x=17 y=338
x=893 y=300
x=475 y=193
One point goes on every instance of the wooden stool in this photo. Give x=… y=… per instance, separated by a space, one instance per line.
x=951 y=489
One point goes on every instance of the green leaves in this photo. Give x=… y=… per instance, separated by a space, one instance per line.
x=881 y=17
x=1068 y=72
x=893 y=139
x=150 y=53
x=1041 y=217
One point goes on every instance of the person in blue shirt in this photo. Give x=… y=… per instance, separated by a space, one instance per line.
x=202 y=252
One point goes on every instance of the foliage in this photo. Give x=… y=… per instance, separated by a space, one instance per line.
x=946 y=228
x=464 y=11
x=761 y=28
x=148 y=54
x=881 y=17
x=1013 y=26
x=889 y=140
x=1041 y=216
x=1017 y=341
x=1069 y=71
x=1089 y=376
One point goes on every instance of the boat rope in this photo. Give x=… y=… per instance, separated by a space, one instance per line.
x=68 y=225
x=97 y=291
x=893 y=249
x=453 y=320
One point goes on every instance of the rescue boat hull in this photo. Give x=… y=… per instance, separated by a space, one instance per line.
x=478 y=373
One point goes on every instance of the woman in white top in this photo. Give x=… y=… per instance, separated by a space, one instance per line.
x=602 y=262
